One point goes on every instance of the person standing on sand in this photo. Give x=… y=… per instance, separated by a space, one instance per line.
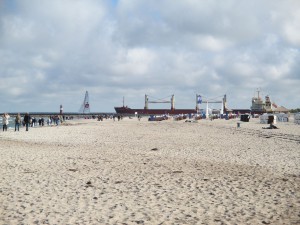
x=17 y=122
x=27 y=120
x=5 y=121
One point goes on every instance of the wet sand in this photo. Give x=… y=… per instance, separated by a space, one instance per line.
x=140 y=172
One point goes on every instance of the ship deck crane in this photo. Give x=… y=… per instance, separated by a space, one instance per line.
x=223 y=102
x=172 y=101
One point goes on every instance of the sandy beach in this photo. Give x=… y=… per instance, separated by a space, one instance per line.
x=140 y=172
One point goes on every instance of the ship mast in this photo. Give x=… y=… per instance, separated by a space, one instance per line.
x=258 y=90
x=146 y=102
x=172 y=102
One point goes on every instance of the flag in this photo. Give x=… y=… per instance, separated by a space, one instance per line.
x=199 y=99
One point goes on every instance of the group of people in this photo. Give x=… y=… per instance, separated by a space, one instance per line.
x=27 y=121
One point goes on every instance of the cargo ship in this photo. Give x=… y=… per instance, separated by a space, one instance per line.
x=146 y=111
x=127 y=110
x=259 y=106
x=172 y=111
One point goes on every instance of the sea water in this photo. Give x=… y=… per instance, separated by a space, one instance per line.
x=11 y=122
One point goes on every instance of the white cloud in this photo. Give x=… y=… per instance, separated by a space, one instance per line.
x=39 y=62
x=210 y=43
x=285 y=16
x=292 y=31
x=15 y=29
x=56 y=49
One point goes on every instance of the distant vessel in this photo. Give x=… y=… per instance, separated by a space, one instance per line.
x=146 y=111
x=259 y=106
x=172 y=111
x=127 y=110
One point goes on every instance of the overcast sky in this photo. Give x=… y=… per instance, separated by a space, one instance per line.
x=52 y=52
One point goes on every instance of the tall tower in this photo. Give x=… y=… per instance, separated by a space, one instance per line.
x=85 y=107
x=61 y=110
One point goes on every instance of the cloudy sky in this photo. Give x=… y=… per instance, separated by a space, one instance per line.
x=52 y=52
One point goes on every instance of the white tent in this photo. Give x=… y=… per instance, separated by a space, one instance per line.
x=282 y=117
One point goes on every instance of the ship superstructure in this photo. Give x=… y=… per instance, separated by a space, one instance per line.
x=268 y=105
x=258 y=104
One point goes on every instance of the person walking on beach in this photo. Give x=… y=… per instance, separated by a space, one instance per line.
x=49 y=121
x=5 y=121
x=17 y=122
x=27 y=120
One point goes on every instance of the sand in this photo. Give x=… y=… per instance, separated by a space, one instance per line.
x=140 y=172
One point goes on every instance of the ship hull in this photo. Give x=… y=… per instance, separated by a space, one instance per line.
x=127 y=110
x=247 y=111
